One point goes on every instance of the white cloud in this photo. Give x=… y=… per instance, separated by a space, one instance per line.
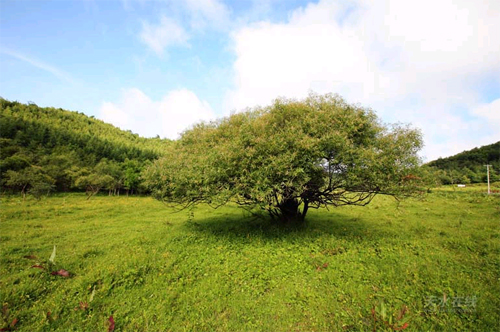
x=167 y=33
x=111 y=113
x=207 y=13
x=411 y=61
x=490 y=111
x=181 y=109
x=193 y=15
x=62 y=75
x=168 y=117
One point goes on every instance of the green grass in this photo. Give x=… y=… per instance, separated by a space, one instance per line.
x=222 y=270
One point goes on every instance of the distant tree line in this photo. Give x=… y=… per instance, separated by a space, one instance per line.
x=468 y=166
x=49 y=149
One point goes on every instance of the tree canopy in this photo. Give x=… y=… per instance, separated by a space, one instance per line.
x=289 y=157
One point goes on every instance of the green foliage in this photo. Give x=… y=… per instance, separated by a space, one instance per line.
x=315 y=152
x=132 y=170
x=225 y=271
x=32 y=180
x=64 y=145
x=94 y=182
x=468 y=166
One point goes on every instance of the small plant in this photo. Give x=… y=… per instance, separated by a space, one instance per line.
x=52 y=258
x=8 y=324
x=52 y=265
x=111 y=321
x=389 y=322
x=82 y=305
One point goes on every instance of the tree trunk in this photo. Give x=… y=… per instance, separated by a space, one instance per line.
x=304 y=210
x=290 y=212
x=23 y=192
x=91 y=191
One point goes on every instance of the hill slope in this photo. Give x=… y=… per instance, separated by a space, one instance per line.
x=468 y=166
x=60 y=148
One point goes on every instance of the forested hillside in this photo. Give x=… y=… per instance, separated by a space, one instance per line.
x=45 y=149
x=469 y=166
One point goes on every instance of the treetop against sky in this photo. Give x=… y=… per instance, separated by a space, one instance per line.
x=157 y=67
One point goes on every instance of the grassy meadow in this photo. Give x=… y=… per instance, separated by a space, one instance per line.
x=417 y=265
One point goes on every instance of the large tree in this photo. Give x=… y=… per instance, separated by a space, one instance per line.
x=289 y=157
x=32 y=180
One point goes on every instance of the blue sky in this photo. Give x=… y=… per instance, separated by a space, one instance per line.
x=156 y=67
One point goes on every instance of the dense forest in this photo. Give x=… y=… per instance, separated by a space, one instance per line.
x=469 y=166
x=49 y=149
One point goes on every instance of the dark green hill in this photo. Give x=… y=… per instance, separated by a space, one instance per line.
x=63 y=149
x=468 y=166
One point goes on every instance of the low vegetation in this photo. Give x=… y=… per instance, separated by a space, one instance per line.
x=128 y=264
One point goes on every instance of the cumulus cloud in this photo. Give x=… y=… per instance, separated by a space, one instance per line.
x=180 y=109
x=165 y=34
x=168 y=117
x=111 y=113
x=490 y=111
x=412 y=62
